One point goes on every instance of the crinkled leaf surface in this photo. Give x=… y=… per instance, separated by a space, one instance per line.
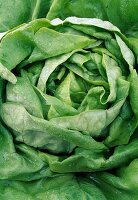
x=68 y=109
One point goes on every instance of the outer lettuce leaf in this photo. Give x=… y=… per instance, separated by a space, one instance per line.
x=19 y=162
x=85 y=160
x=122 y=13
x=78 y=8
x=97 y=186
x=62 y=187
x=122 y=185
x=14 y=13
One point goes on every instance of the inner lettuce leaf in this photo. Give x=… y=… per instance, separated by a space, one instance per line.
x=68 y=111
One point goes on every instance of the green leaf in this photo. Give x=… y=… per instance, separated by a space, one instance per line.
x=87 y=8
x=23 y=92
x=15 y=13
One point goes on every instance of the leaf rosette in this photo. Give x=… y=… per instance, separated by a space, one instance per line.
x=70 y=92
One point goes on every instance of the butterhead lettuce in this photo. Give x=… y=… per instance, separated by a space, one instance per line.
x=68 y=111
